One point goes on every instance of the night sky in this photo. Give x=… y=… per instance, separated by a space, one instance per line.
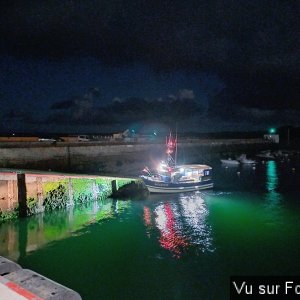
x=104 y=66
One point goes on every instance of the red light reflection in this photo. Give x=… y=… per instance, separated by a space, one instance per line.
x=147 y=216
x=170 y=237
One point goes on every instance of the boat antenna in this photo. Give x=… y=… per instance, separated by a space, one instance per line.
x=176 y=146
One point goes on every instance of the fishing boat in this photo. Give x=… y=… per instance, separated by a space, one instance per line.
x=172 y=178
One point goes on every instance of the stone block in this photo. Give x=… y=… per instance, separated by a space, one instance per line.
x=41 y=286
x=7 y=266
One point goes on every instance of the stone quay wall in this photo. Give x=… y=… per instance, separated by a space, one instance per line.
x=23 y=194
x=115 y=157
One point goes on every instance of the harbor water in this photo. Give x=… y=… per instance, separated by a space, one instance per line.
x=179 y=246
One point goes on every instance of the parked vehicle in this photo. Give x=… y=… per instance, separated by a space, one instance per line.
x=46 y=140
x=83 y=138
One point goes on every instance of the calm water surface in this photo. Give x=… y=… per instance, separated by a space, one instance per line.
x=169 y=246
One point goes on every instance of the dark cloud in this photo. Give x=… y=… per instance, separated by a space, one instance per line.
x=163 y=112
x=166 y=110
x=67 y=104
x=251 y=46
x=275 y=91
x=224 y=35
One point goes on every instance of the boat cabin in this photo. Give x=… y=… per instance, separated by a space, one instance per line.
x=183 y=173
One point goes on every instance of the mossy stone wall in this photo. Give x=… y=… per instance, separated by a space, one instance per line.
x=45 y=192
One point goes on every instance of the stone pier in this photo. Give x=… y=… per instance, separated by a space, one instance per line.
x=23 y=194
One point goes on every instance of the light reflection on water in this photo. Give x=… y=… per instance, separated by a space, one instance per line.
x=18 y=238
x=272 y=176
x=171 y=237
x=181 y=224
x=273 y=199
x=195 y=213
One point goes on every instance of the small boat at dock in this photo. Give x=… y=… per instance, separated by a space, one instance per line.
x=183 y=178
x=231 y=162
x=169 y=177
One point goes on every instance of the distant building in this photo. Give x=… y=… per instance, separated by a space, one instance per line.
x=271 y=137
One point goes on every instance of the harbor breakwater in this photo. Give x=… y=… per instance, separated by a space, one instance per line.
x=114 y=158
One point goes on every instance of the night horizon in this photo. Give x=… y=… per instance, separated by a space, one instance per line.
x=103 y=67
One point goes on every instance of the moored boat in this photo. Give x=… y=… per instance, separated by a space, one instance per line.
x=229 y=161
x=172 y=178
x=265 y=155
x=184 y=178
x=244 y=160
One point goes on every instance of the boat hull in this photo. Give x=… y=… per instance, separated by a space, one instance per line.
x=248 y=162
x=230 y=162
x=162 y=187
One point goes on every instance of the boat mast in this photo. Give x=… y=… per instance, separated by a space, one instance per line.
x=171 y=144
x=176 y=146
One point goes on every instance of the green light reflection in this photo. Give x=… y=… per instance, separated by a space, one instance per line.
x=23 y=236
x=273 y=197
x=272 y=177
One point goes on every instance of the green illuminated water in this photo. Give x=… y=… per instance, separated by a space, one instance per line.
x=169 y=246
